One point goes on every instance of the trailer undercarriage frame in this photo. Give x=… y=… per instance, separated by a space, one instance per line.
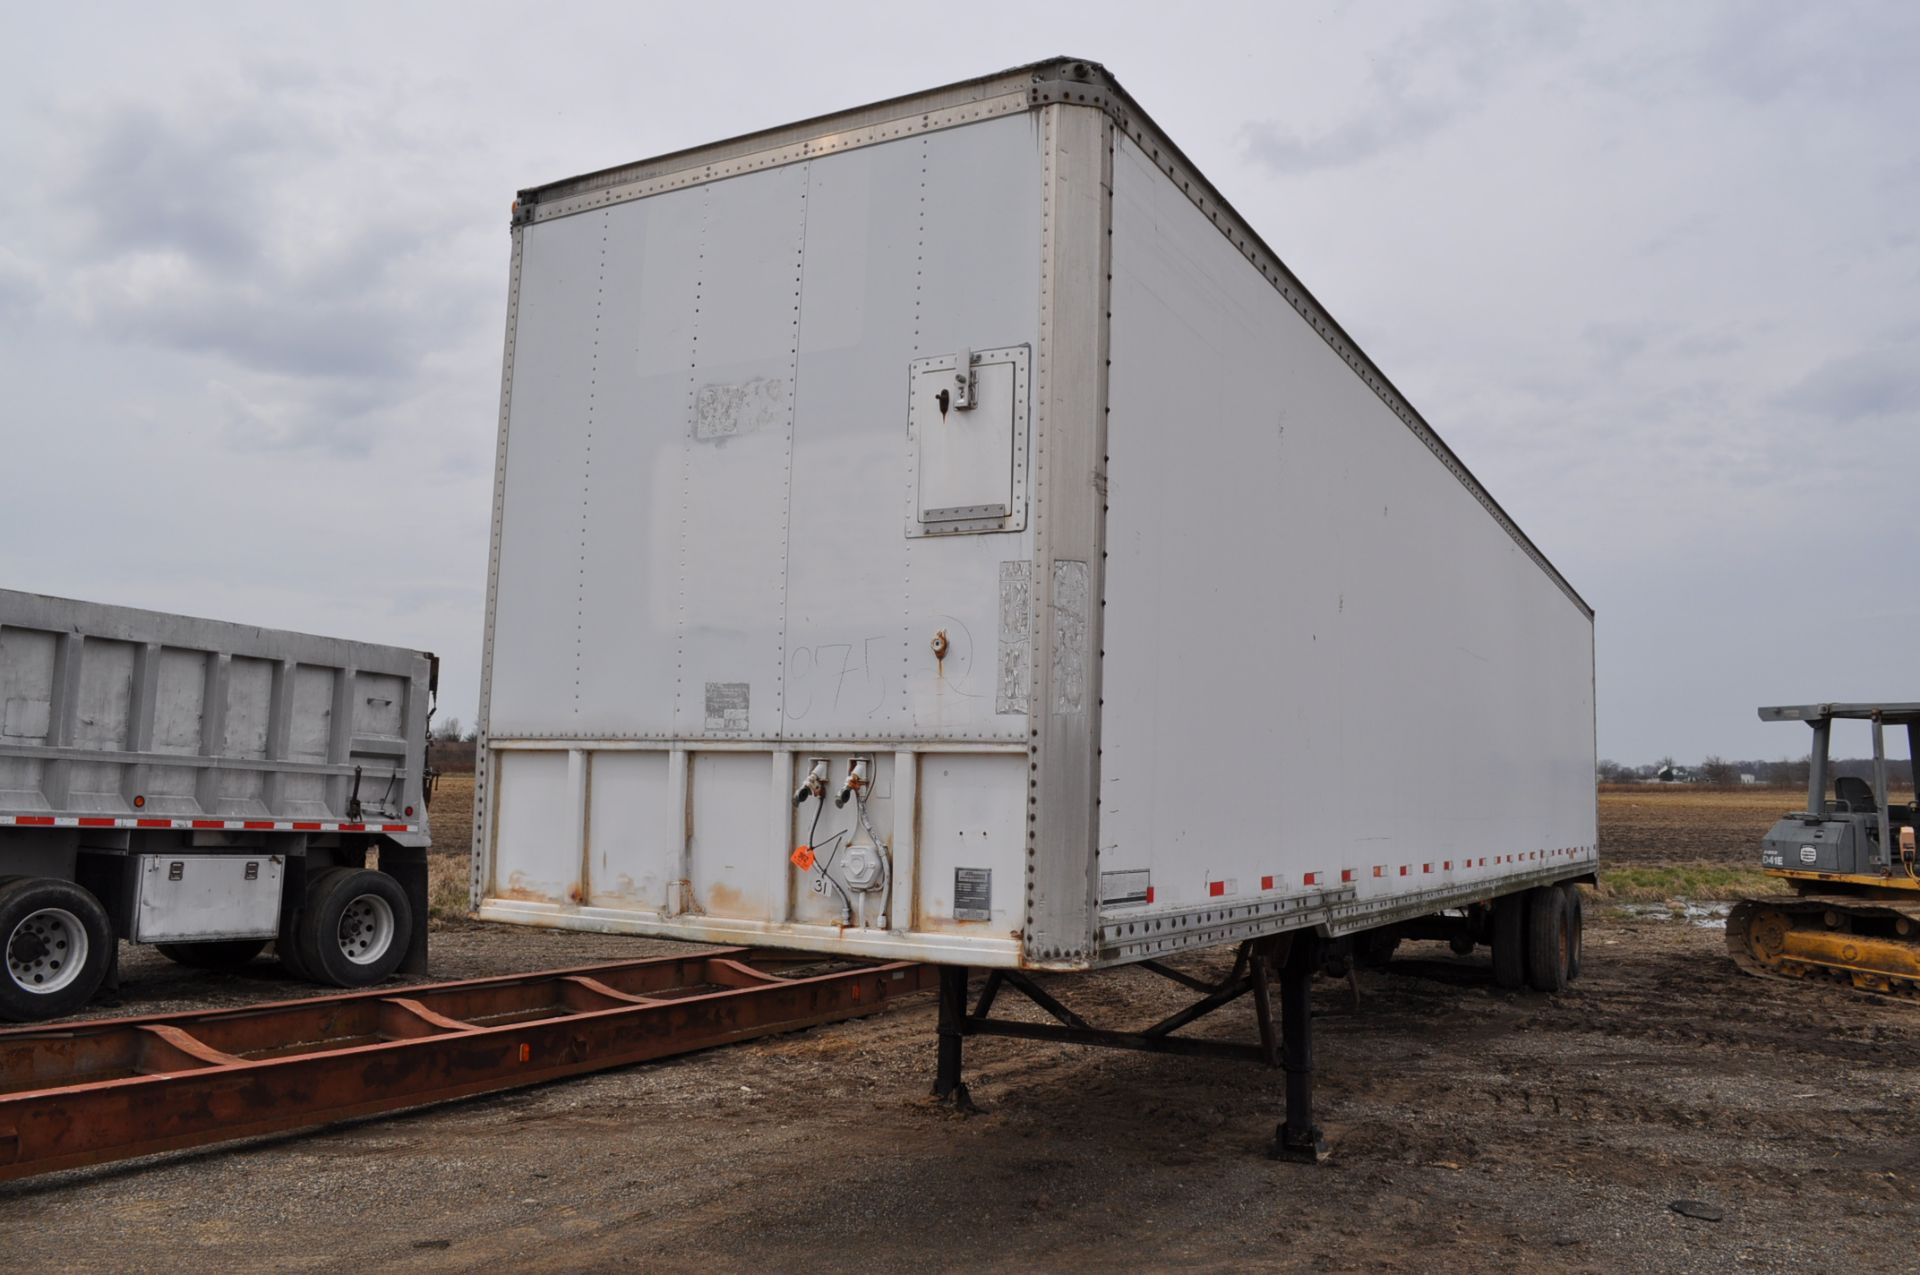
x=1288 y=959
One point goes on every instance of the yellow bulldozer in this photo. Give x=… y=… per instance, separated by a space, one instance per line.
x=1854 y=914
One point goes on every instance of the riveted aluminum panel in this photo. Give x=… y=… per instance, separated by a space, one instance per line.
x=1306 y=606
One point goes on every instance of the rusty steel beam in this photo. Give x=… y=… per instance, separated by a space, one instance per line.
x=111 y=1089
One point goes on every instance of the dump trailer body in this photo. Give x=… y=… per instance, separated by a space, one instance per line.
x=945 y=530
x=188 y=772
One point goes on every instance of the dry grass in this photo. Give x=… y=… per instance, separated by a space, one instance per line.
x=449 y=865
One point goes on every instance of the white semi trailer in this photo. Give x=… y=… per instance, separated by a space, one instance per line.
x=209 y=788
x=946 y=530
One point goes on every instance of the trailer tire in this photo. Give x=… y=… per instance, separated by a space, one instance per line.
x=1374 y=949
x=58 y=946
x=1548 y=939
x=353 y=928
x=1509 y=942
x=220 y=954
x=1576 y=928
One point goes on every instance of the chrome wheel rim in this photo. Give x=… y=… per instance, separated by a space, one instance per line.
x=366 y=930
x=46 y=951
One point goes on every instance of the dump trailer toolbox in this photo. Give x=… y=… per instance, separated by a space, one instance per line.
x=946 y=530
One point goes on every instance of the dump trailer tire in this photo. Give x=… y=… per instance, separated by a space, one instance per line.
x=220 y=954
x=286 y=945
x=1576 y=928
x=354 y=927
x=1509 y=942
x=1547 y=939
x=57 y=945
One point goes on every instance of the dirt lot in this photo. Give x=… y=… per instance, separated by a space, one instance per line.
x=1472 y=1130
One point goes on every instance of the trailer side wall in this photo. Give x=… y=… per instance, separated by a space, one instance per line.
x=1327 y=668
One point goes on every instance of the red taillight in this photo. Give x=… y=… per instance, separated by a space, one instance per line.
x=409 y=812
x=138 y=802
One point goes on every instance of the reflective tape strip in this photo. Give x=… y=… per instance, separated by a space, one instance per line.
x=199 y=825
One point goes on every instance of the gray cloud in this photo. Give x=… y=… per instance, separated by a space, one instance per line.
x=238 y=226
x=1415 y=88
x=1864 y=386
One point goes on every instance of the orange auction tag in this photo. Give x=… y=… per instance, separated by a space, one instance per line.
x=802 y=857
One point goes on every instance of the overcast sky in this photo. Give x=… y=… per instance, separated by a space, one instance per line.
x=1652 y=270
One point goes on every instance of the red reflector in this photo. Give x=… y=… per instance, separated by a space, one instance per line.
x=96 y=823
x=1448 y=865
x=306 y=827
x=1216 y=888
x=1346 y=874
x=1266 y=883
x=209 y=823
x=36 y=821
x=1379 y=871
x=259 y=823
x=1149 y=894
x=153 y=823
x=1311 y=878
x=1403 y=869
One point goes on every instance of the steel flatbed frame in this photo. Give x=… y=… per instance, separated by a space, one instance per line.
x=94 y=1092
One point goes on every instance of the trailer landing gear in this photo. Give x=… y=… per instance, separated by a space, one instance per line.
x=1293 y=957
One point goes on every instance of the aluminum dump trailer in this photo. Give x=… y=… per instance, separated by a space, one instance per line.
x=207 y=787
x=946 y=530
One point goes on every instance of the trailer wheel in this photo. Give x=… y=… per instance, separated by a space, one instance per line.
x=58 y=946
x=1548 y=939
x=1510 y=941
x=222 y=954
x=353 y=928
x=1576 y=928
x=1375 y=948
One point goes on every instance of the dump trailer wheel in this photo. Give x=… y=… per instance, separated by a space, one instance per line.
x=1547 y=938
x=1576 y=927
x=354 y=927
x=1510 y=941
x=58 y=945
x=219 y=954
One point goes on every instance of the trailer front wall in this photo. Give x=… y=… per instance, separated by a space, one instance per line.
x=1328 y=669
x=704 y=573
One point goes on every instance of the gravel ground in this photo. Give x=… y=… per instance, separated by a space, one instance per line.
x=1472 y=1129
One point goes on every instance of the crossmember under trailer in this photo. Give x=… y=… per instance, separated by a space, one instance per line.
x=111 y=1089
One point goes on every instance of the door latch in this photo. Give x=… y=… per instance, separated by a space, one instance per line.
x=963 y=380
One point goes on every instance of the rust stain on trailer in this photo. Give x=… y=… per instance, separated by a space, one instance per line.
x=518 y=889
x=724 y=900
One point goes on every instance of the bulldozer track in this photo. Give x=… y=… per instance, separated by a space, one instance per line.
x=110 y=1089
x=1770 y=938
